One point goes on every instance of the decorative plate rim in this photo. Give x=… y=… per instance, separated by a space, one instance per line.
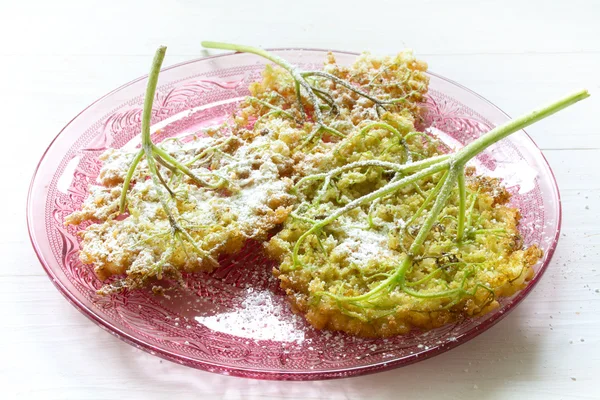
x=289 y=375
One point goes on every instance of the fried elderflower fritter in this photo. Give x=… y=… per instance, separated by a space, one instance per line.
x=244 y=197
x=345 y=277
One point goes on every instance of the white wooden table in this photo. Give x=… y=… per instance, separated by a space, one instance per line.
x=58 y=56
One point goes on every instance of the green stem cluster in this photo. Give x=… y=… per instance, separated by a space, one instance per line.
x=316 y=97
x=453 y=167
x=154 y=156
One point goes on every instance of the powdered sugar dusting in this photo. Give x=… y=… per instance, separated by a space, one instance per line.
x=251 y=203
x=362 y=245
x=260 y=317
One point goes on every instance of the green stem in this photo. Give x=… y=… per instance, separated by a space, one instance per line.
x=346 y=85
x=270 y=106
x=462 y=200
x=425 y=279
x=147 y=145
x=387 y=189
x=470 y=212
x=299 y=83
x=334 y=132
x=428 y=199
x=249 y=49
x=127 y=181
x=146 y=117
x=439 y=204
x=149 y=99
x=151 y=151
x=397 y=276
x=298 y=79
x=482 y=231
x=500 y=132
x=205 y=152
x=299 y=100
x=447 y=293
x=167 y=157
x=389 y=128
x=400 y=168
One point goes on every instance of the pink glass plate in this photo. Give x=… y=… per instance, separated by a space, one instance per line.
x=235 y=320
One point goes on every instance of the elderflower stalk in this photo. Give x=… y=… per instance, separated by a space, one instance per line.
x=454 y=166
x=296 y=75
x=155 y=155
x=302 y=86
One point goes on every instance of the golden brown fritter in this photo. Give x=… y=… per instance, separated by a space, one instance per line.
x=361 y=250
